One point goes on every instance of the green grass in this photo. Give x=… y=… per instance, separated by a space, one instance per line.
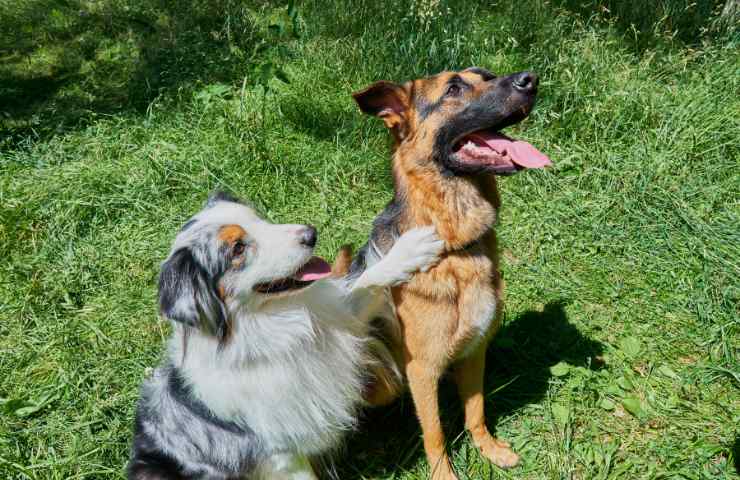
x=619 y=355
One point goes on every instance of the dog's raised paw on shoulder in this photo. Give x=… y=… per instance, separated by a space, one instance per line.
x=419 y=249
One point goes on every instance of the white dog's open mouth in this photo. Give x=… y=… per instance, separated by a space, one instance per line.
x=315 y=269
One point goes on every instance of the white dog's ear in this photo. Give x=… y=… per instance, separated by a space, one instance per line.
x=187 y=294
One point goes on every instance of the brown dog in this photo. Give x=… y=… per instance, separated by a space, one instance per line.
x=447 y=151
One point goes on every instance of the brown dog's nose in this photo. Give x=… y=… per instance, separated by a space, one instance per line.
x=308 y=236
x=526 y=82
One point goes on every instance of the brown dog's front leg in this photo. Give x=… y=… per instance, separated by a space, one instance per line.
x=424 y=390
x=469 y=378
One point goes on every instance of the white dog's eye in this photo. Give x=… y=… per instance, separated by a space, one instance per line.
x=238 y=248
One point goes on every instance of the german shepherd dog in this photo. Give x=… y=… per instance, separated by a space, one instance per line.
x=448 y=150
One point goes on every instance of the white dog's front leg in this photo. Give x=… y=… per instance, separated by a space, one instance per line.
x=416 y=250
x=286 y=466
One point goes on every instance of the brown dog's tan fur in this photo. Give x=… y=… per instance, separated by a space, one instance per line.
x=341 y=264
x=440 y=311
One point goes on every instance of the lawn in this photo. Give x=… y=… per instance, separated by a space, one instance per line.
x=619 y=354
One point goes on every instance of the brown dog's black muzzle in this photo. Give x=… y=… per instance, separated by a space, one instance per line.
x=508 y=100
x=505 y=101
x=525 y=82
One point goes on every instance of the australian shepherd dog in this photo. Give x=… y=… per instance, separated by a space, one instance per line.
x=270 y=352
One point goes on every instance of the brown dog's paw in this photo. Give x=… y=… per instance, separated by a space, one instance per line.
x=499 y=453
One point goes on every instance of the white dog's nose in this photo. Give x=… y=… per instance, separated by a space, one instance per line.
x=309 y=236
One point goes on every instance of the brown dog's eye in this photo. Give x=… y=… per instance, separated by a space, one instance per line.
x=238 y=248
x=453 y=90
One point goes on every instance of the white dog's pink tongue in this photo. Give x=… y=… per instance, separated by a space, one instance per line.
x=521 y=153
x=315 y=269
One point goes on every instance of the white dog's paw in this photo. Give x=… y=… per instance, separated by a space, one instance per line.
x=417 y=250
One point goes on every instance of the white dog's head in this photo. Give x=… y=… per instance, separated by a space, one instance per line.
x=227 y=255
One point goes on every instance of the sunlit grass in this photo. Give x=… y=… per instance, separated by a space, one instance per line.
x=619 y=355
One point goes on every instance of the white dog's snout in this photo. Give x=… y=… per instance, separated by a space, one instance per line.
x=308 y=236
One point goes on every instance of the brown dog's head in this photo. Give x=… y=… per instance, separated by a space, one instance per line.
x=454 y=119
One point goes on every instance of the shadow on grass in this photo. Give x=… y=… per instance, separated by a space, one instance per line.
x=389 y=439
x=527 y=347
x=314 y=119
x=736 y=454
x=64 y=63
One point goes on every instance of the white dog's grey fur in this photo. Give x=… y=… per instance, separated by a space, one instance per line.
x=255 y=384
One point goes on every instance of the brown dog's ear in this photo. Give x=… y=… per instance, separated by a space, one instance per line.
x=386 y=100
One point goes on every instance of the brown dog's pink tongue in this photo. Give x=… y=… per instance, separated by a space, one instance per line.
x=315 y=269
x=521 y=153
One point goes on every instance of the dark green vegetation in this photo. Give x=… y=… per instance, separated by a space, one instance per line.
x=619 y=356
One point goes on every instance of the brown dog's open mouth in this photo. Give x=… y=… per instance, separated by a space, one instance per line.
x=315 y=269
x=498 y=152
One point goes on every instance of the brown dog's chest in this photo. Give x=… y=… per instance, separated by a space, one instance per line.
x=453 y=305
